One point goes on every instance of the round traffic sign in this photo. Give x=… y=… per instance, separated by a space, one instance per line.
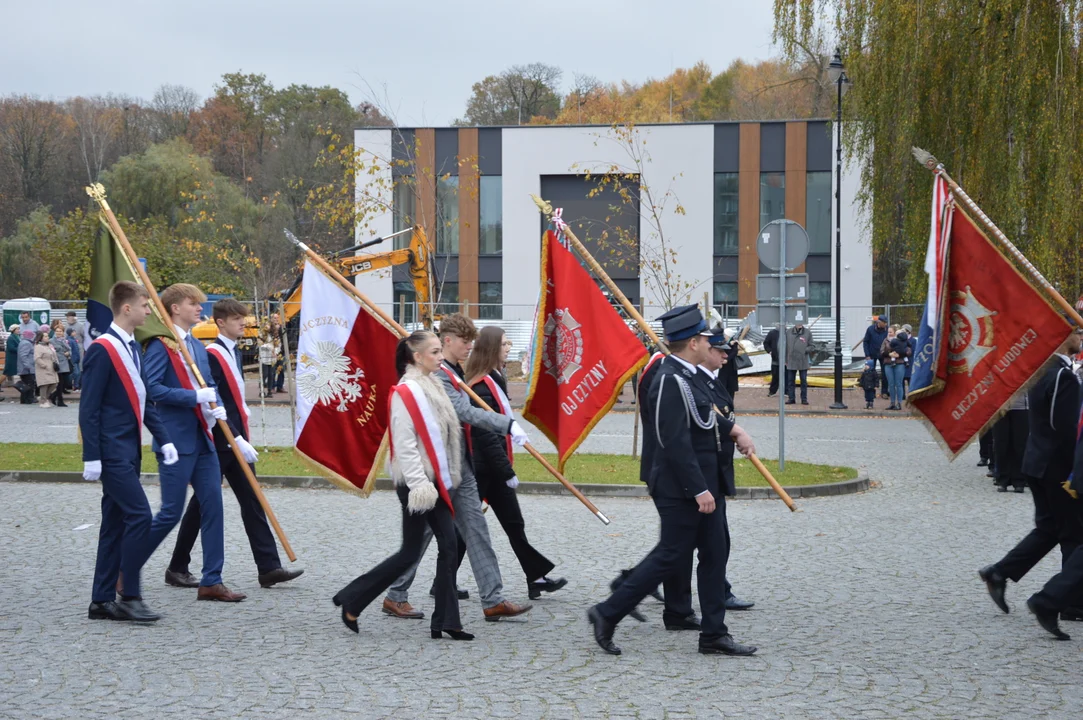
x=769 y=244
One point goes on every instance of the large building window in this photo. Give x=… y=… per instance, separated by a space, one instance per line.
x=819 y=299
x=725 y=214
x=772 y=197
x=491 y=235
x=403 y=209
x=725 y=298
x=404 y=303
x=491 y=298
x=818 y=212
x=447 y=215
x=448 y=300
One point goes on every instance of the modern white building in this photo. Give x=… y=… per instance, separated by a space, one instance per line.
x=695 y=197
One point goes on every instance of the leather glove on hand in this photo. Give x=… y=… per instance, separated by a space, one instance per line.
x=169 y=454
x=247 y=450
x=206 y=395
x=518 y=437
x=513 y=483
x=218 y=413
x=92 y=470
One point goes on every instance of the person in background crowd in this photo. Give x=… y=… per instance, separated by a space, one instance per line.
x=45 y=367
x=770 y=344
x=875 y=335
x=1010 y=442
x=28 y=386
x=27 y=323
x=11 y=355
x=869 y=382
x=72 y=323
x=63 y=355
x=76 y=359
x=894 y=354
x=267 y=361
x=280 y=358
x=798 y=347
x=909 y=365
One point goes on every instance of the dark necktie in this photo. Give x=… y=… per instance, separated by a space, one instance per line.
x=237 y=357
x=134 y=347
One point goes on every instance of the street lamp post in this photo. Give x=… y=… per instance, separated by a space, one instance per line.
x=837 y=74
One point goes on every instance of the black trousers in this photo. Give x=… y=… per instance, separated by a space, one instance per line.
x=260 y=537
x=360 y=593
x=505 y=503
x=58 y=395
x=774 y=380
x=1009 y=443
x=1057 y=520
x=678 y=588
x=268 y=378
x=985 y=445
x=28 y=390
x=791 y=384
x=684 y=529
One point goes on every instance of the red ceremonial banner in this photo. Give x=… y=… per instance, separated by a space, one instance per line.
x=584 y=352
x=998 y=332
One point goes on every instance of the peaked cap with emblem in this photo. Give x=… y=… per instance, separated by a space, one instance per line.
x=684 y=322
x=718 y=338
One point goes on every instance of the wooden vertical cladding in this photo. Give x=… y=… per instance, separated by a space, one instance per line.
x=425 y=163
x=796 y=168
x=469 y=217
x=748 y=213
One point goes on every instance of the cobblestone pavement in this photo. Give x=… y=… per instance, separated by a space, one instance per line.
x=868 y=605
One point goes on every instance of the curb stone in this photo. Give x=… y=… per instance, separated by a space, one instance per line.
x=846 y=487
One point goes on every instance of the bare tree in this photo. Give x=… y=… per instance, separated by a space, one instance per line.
x=97 y=125
x=31 y=135
x=173 y=105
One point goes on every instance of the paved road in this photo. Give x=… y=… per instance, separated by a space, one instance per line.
x=867 y=606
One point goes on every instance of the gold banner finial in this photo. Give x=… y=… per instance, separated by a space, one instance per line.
x=97 y=192
x=545 y=207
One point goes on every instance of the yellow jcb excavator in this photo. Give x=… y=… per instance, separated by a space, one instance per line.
x=416 y=255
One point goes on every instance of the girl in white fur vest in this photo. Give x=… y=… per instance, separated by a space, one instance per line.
x=425 y=438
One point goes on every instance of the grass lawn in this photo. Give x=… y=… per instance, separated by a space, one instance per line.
x=581 y=469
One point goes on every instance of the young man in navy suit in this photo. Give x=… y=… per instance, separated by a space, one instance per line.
x=228 y=372
x=185 y=408
x=112 y=410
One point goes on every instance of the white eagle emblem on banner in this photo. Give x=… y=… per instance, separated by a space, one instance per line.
x=324 y=376
x=562 y=351
x=971 y=332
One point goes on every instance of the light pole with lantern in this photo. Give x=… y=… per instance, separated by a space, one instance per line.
x=837 y=74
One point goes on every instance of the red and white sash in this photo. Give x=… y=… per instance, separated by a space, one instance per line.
x=188 y=382
x=424 y=419
x=505 y=408
x=125 y=367
x=235 y=381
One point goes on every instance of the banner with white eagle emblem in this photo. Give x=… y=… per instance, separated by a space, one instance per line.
x=345 y=370
x=584 y=352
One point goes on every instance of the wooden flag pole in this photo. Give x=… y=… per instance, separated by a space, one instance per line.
x=97 y=192
x=390 y=323
x=937 y=168
x=547 y=210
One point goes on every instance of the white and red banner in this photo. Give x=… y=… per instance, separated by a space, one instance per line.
x=345 y=370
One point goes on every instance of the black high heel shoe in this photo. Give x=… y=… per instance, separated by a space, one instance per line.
x=351 y=624
x=453 y=634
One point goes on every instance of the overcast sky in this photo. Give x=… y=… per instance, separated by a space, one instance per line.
x=420 y=58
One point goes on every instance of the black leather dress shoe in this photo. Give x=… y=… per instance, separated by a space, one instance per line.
x=137 y=611
x=105 y=611
x=462 y=594
x=735 y=603
x=984 y=462
x=183 y=579
x=535 y=589
x=603 y=631
x=996 y=585
x=278 y=575
x=686 y=623
x=1048 y=620
x=725 y=645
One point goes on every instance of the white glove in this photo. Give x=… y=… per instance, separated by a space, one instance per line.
x=218 y=413
x=517 y=435
x=92 y=470
x=247 y=450
x=513 y=483
x=169 y=454
x=206 y=395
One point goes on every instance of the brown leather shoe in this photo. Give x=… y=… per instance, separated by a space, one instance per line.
x=219 y=592
x=505 y=609
x=401 y=610
x=180 y=579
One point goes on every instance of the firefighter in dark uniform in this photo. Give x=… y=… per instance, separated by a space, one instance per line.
x=684 y=484
x=1047 y=463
